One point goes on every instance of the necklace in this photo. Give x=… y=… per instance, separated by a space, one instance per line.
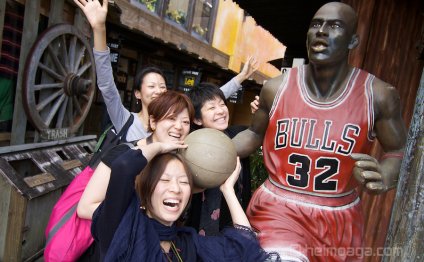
x=175 y=251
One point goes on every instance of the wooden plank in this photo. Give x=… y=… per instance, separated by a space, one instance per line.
x=71 y=164
x=5 y=189
x=29 y=35
x=2 y=12
x=33 y=146
x=405 y=238
x=39 y=179
x=16 y=220
x=389 y=31
x=56 y=12
x=5 y=136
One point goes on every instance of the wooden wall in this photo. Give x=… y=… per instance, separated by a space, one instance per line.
x=389 y=33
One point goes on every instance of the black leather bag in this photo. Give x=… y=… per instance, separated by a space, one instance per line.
x=109 y=139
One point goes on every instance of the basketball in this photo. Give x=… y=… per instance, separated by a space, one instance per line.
x=211 y=157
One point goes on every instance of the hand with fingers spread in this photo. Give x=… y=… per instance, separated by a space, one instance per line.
x=96 y=15
x=368 y=172
x=254 y=105
x=94 y=11
x=249 y=68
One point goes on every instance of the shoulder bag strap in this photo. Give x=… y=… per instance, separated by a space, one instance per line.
x=123 y=132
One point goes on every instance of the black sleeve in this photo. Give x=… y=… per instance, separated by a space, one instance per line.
x=114 y=153
x=118 y=195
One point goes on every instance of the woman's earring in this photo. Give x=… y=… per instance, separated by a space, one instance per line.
x=137 y=102
x=143 y=207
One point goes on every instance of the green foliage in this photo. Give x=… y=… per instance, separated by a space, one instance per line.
x=257 y=169
x=150 y=4
x=178 y=16
x=200 y=30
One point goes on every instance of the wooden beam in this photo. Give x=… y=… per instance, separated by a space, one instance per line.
x=29 y=35
x=56 y=12
x=405 y=239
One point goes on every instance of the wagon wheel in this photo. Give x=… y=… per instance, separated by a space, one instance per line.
x=59 y=79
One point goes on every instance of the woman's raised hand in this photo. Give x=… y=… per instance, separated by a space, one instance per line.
x=232 y=179
x=94 y=11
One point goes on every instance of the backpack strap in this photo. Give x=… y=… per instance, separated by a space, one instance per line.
x=123 y=132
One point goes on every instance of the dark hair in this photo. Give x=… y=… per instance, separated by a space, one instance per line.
x=142 y=73
x=202 y=93
x=167 y=104
x=148 y=179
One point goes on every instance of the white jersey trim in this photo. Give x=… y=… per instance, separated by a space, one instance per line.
x=301 y=203
x=370 y=106
x=330 y=104
x=307 y=192
x=278 y=96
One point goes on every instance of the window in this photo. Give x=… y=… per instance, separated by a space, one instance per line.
x=197 y=17
x=151 y=5
x=202 y=18
x=177 y=11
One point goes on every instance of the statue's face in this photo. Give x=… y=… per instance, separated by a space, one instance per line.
x=330 y=34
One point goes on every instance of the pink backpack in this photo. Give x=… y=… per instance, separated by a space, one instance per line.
x=69 y=236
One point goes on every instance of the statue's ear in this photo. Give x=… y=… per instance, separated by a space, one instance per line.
x=354 y=41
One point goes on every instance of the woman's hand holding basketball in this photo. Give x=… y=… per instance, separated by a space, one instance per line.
x=155 y=148
x=228 y=185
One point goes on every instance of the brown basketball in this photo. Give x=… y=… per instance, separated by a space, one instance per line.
x=211 y=157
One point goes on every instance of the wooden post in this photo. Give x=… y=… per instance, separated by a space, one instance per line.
x=405 y=239
x=29 y=35
x=14 y=231
x=56 y=12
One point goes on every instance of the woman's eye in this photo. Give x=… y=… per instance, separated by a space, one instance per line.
x=186 y=122
x=184 y=182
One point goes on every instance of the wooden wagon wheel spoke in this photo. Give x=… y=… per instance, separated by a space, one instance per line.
x=59 y=79
x=56 y=61
x=49 y=99
x=83 y=68
x=50 y=71
x=54 y=109
x=61 y=114
x=72 y=47
x=65 y=52
x=70 y=112
x=78 y=59
x=77 y=105
x=47 y=86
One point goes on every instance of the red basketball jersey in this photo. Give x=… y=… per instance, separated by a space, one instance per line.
x=308 y=143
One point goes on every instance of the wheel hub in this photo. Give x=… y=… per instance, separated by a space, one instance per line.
x=74 y=85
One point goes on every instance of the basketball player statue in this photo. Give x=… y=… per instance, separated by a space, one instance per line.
x=317 y=123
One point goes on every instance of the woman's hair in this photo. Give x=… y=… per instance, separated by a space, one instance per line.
x=201 y=94
x=168 y=104
x=142 y=73
x=148 y=179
